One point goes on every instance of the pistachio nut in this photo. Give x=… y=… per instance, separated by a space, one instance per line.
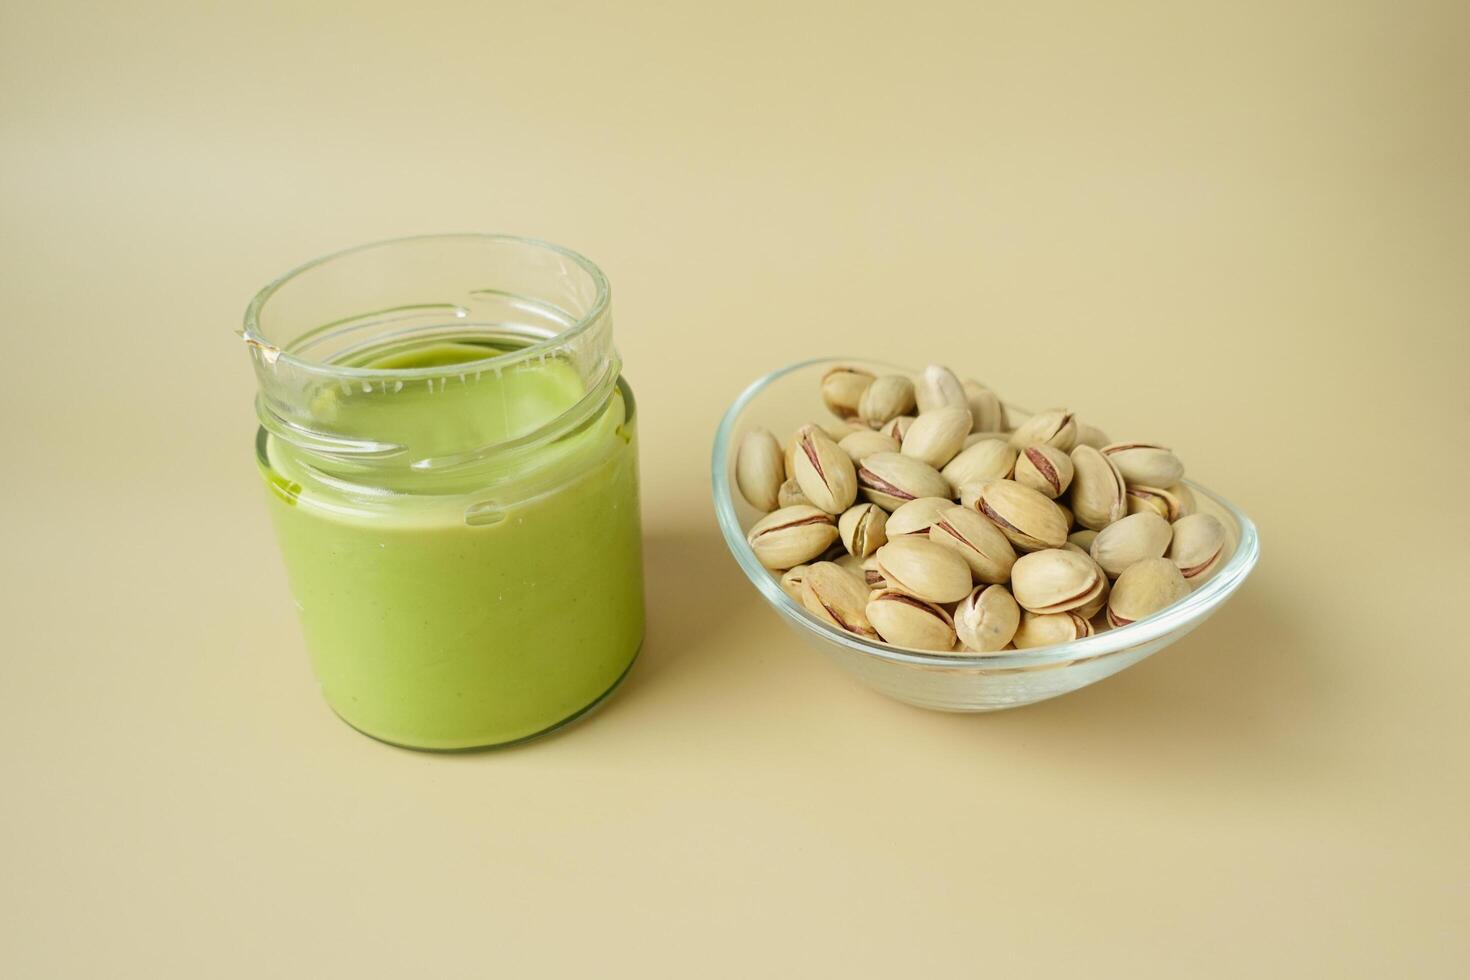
x=1067 y=514
x=969 y=493
x=1133 y=539
x=986 y=407
x=989 y=459
x=987 y=618
x=836 y=432
x=1055 y=580
x=1199 y=541
x=792 y=535
x=841 y=430
x=1143 y=589
x=936 y=436
x=1083 y=539
x=905 y=621
x=886 y=398
x=1057 y=427
x=1146 y=463
x=838 y=598
x=1185 y=496
x=980 y=543
x=849 y=562
x=891 y=479
x=860 y=445
x=938 y=388
x=1028 y=519
x=863 y=528
x=915 y=516
x=1089 y=610
x=898 y=428
x=1048 y=629
x=842 y=390
x=923 y=569
x=791 y=581
x=790 y=495
x=1097 y=489
x=760 y=469
x=1091 y=435
x=975 y=437
x=1045 y=469
x=1153 y=500
x=823 y=471
x=871 y=575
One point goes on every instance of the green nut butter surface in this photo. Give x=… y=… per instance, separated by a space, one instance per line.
x=467 y=605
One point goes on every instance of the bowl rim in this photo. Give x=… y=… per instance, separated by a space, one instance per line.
x=1185 y=612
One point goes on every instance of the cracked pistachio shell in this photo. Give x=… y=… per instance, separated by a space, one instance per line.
x=1143 y=589
x=987 y=618
x=915 y=516
x=1152 y=499
x=860 y=445
x=871 y=575
x=1057 y=427
x=838 y=598
x=1049 y=629
x=986 y=408
x=863 y=528
x=886 y=398
x=791 y=581
x=1045 y=469
x=1145 y=463
x=843 y=388
x=790 y=495
x=1055 y=580
x=924 y=570
x=1185 y=496
x=1089 y=610
x=1133 y=539
x=975 y=539
x=824 y=472
x=836 y=433
x=1091 y=435
x=937 y=436
x=898 y=428
x=905 y=621
x=760 y=469
x=989 y=459
x=1029 y=520
x=938 y=388
x=892 y=479
x=1198 y=543
x=791 y=536
x=1098 y=492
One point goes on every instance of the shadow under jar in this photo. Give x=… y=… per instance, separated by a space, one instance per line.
x=451 y=457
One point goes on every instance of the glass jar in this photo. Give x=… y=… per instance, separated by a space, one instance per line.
x=451 y=459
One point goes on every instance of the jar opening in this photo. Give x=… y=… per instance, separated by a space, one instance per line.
x=432 y=352
x=347 y=313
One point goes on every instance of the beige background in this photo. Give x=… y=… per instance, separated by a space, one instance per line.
x=1240 y=229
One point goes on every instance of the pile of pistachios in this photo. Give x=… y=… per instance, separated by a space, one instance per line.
x=923 y=520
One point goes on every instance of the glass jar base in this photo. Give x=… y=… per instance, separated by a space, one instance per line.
x=571 y=719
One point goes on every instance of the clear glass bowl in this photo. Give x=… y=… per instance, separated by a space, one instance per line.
x=786 y=398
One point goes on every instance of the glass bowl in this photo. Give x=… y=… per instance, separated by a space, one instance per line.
x=783 y=400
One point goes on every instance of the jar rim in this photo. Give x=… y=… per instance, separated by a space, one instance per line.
x=254 y=337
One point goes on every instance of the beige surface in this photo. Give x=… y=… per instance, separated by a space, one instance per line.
x=1241 y=231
